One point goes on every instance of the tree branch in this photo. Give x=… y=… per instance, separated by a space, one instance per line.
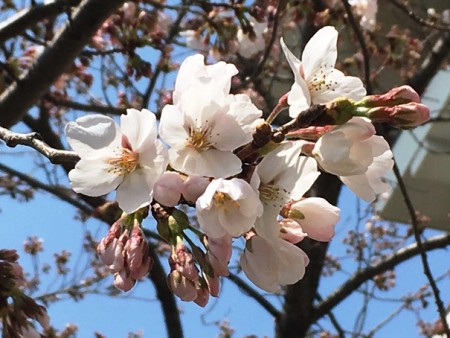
x=65 y=47
x=364 y=275
x=166 y=297
x=26 y=18
x=434 y=25
x=362 y=43
x=96 y=108
x=420 y=246
x=34 y=140
x=61 y=193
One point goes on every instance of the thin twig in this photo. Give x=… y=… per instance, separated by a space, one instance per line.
x=60 y=192
x=103 y=109
x=420 y=246
x=26 y=18
x=389 y=263
x=362 y=43
x=34 y=141
x=434 y=25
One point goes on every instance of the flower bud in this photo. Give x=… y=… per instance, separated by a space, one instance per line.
x=396 y=96
x=111 y=254
x=213 y=283
x=202 y=297
x=181 y=286
x=406 y=116
x=123 y=281
x=182 y=261
x=167 y=190
x=194 y=187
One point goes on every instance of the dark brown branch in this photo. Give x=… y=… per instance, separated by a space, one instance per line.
x=298 y=309
x=96 y=108
x=365 y=275
x=60 y=192
x=66 y=46
x=253 y=294
x=404 y=8
x=356 y=29
x=34 y=141
x=166 y=298
x=26 y=18
x=422 y=252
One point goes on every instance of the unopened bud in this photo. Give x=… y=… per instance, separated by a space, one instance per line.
x=202 y=297
x=181 y=286
x=123 y=281
x=396 y=96
x=405 y=116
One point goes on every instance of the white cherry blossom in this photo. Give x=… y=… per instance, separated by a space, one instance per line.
x=360 y=158
x=250 y=47
x=228 y=207
x=128 y=158
x=283 y=175
x=316 y=79
x=193 y=67
x=367 y=10
x=206 y=124
x=271 y=263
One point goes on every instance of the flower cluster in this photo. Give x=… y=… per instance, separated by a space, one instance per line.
x=235 y=174
x=125 y=251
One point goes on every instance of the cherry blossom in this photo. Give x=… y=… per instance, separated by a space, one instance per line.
x=271 y=263
x=198 y=126
x=316 y=79
x=367 y=10
x=249 y=47
x=283 y=175
x=360 y=158
x=228 y=207
x=129 y=159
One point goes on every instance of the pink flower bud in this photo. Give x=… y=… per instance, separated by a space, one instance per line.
x=396 y=96
x=213 y=284
x=194 y=187
x=182 y=261
x=181 y=286
x=167 y=190
x=408 y=115
x=129 y=11
x=111 y=253
x=135 y=248
x=123 y=281
x=219 y=254
x=202 y=297
x=144 y=268
x=291 y=231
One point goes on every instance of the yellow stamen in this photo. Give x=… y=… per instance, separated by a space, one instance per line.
x=126 y=162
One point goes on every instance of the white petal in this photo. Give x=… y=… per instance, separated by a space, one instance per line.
x=292 y=262
x=320 y=51
x=209 y=163
x=92 y=178
x=134 y=192
x=172 y=128
x=360 y=185
x=261 y=265
x=93 y=132
x=139 y=127
x=227 y=134
x=339 y=85
x=299 y=98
